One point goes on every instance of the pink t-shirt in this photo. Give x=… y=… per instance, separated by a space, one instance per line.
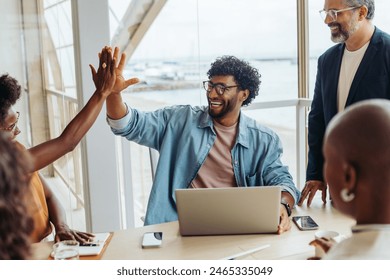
x=217 y=170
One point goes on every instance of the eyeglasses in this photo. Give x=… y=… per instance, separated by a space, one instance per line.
x=333 y=13
x=219 y=88
x=13 y=126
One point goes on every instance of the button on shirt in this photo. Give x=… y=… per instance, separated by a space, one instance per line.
x=184 y=135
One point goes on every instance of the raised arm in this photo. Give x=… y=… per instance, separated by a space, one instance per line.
x=116 y=109
x=104 y=79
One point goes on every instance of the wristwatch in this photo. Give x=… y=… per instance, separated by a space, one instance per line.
x=288 y=208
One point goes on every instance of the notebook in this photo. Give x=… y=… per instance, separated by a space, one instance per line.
x=219 y=211
x=98 y=244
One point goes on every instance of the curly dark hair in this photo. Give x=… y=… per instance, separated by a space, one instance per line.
x=246 y=76
x=15 y=225
x=9 y=93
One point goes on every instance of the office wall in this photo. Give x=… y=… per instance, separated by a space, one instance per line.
x=11 y=55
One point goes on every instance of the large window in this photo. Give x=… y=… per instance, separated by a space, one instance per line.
x=176 y=52
x=171 y=58
x=60 y=89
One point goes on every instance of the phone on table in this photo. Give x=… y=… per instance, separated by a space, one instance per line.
x=152 y=239
x=305 y=222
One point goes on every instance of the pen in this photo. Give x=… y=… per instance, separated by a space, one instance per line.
x=89 y=244
x=245 y=253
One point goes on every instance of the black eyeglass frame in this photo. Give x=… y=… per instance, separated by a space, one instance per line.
x=219 y=88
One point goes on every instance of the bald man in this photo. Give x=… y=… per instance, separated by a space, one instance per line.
x=357 y=169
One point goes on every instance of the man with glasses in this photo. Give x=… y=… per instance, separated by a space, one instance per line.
x=208 y=146
x=356 y=69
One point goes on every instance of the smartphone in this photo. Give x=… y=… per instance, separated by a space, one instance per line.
x=152 y=239
x=305 y=222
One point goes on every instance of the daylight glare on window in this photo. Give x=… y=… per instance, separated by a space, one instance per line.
x=175 y=53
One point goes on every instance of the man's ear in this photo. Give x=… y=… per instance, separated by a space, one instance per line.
x=350 y=177
x=363 y=11
x=245 y=95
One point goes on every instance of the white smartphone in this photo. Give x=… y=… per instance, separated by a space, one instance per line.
x=305 y=222
x=152 y=239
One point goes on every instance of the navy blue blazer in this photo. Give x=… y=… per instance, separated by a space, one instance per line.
x=372 y=80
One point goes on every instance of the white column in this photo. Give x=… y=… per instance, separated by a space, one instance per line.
x=101 y=182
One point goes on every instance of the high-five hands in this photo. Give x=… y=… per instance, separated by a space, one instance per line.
x=104 y=78
x=108 y=78
x=121 y=83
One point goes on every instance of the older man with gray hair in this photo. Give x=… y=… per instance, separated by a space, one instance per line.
x=356 y=69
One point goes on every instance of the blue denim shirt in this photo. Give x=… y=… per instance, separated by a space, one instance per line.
x=184 y=135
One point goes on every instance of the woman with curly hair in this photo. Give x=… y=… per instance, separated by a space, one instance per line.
x=44 y=207
x=15 y=225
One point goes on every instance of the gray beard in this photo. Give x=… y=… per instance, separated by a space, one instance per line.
x=344 y=36
x=341 y=38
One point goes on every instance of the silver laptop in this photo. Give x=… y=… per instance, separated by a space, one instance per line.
x=218 y=211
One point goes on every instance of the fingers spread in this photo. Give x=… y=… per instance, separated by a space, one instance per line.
x=93 y=70
x=122 y=62
x=112 y=66
x=324 y=196
x=131 y=81
x=116 y=53
x=103 y=58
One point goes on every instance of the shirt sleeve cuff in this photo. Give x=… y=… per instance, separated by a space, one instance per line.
x=120 y=123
